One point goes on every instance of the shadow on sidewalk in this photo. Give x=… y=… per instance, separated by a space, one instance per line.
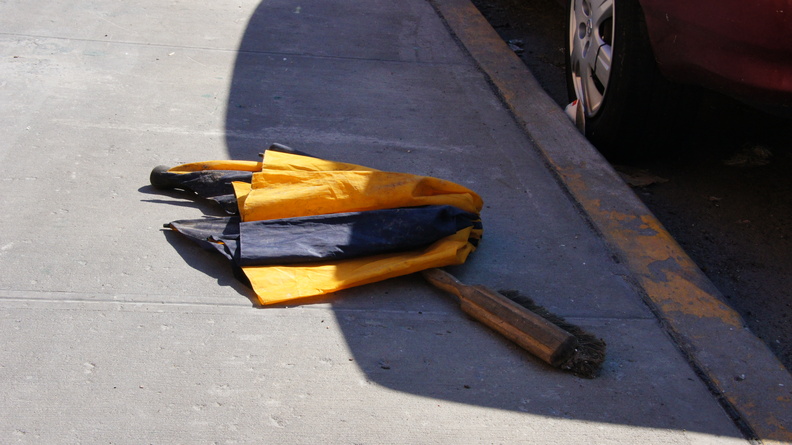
x=420 y=351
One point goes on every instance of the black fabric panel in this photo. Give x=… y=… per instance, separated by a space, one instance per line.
x=327 y=237
x=347 y=235
x=207 y=231
x=211 y=184
x=206 y=183
x=228 y=203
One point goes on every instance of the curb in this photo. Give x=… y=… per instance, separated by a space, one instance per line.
x=743 y=374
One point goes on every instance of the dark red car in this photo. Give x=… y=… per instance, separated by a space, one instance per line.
x=630 y=60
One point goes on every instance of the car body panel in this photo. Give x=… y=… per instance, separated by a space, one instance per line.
x=738 y=47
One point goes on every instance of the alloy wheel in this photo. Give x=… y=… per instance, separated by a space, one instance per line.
x=590 y=53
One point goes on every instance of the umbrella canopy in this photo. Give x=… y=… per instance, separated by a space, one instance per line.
x=308 y=226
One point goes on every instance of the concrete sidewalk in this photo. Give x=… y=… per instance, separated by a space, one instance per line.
x=116 y=331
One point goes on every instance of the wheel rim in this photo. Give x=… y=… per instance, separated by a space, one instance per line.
x=590 y=52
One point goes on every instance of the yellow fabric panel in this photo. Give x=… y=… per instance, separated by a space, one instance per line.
x=292 y=185
x=275 y=160
x=285 y=194
x=277 y=284
x=246 y=166
x=241 y=190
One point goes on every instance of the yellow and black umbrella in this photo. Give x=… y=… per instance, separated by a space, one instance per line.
x=308 y=226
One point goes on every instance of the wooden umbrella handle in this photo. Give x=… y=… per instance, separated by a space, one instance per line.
x=527 y=329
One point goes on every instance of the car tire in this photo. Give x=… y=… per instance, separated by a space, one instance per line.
x=621 y=102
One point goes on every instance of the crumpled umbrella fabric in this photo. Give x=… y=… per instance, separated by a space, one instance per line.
x=308 y=226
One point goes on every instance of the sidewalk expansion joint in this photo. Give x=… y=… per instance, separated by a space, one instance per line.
x=236 y=50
